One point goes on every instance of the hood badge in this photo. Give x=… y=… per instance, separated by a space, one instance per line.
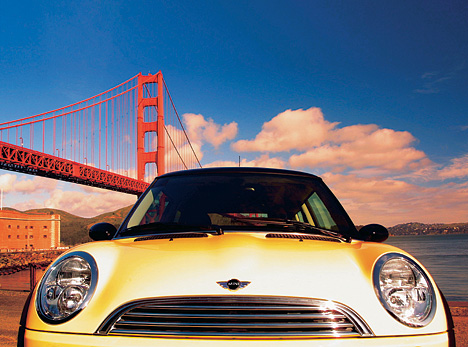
x=233 y=284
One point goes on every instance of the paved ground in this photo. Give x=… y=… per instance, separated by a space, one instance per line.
x=11 y=304
x=460 y=318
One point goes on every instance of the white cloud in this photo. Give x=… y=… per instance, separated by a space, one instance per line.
x=27 y=205
x=7 y=182
x=323 y=144
x=457 y=169
x=88 y=204
x=368 y=167
x=201 y=130
x=81 y=200
x=299 y=129
x=389 y=201
x=11 y=183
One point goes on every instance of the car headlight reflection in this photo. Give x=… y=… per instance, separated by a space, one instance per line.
x=67 y=287
x=404 y=289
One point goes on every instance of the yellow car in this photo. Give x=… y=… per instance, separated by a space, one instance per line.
x=236 y=256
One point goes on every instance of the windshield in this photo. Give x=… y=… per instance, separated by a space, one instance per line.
x=236 y=201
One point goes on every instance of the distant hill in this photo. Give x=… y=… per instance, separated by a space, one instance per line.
x=428 y=229
x=74 y=230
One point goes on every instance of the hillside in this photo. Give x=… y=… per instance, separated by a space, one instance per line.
x=428 y=229
x=74 y=229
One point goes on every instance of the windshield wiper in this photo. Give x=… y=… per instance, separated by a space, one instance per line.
x=159 y=227
x=297 y=226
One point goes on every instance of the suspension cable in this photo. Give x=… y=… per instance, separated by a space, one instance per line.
x=169 y=135
x=177 y=114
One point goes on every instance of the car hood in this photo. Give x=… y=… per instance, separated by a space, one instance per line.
x=131 y=270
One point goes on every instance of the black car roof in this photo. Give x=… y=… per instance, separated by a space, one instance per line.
x=238 y=170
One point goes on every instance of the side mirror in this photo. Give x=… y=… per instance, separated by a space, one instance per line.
x=374 y=233
x=102 y=231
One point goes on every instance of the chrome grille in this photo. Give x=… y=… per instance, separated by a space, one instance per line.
x=235 y=316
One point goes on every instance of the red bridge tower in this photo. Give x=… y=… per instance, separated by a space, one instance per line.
x=145 y=100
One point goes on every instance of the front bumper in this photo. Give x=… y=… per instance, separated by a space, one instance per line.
x=28 y=338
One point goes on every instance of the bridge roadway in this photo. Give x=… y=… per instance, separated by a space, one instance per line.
x=19 y=159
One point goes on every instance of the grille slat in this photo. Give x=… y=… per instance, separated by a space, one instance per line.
x=184 y=325
x=231 y=307
x=236 y=317
x=227 y=334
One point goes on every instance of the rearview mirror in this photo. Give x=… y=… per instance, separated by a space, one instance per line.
x=374 y=233
x=102 y=231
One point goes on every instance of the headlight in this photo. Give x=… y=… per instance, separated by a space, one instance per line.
x=67 y=287
x=404 y=289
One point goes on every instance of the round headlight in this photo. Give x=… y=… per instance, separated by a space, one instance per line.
x=404 y=289
x=67 y=287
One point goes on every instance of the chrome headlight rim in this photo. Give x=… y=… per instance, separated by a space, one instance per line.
x=41 y=290
x=414 y=267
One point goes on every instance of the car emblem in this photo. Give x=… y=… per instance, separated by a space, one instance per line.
x=233 y=284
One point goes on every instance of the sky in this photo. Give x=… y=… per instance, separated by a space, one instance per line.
x=372 y=96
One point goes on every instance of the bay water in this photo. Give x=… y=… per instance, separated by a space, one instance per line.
x=444 y=256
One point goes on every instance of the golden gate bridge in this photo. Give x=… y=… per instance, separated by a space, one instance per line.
x=119 y=139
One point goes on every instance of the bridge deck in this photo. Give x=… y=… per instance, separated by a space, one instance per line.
x=19 y=159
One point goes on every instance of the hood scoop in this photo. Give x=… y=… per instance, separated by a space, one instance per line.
x=302 y=237
x=171 y=236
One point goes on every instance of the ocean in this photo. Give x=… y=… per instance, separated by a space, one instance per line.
x=444 y=256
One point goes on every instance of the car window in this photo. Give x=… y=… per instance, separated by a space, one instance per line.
x=320 y=213
x=151 y=209
x=239 y=201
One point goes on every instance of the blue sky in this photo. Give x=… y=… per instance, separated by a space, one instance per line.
x=399 y=68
